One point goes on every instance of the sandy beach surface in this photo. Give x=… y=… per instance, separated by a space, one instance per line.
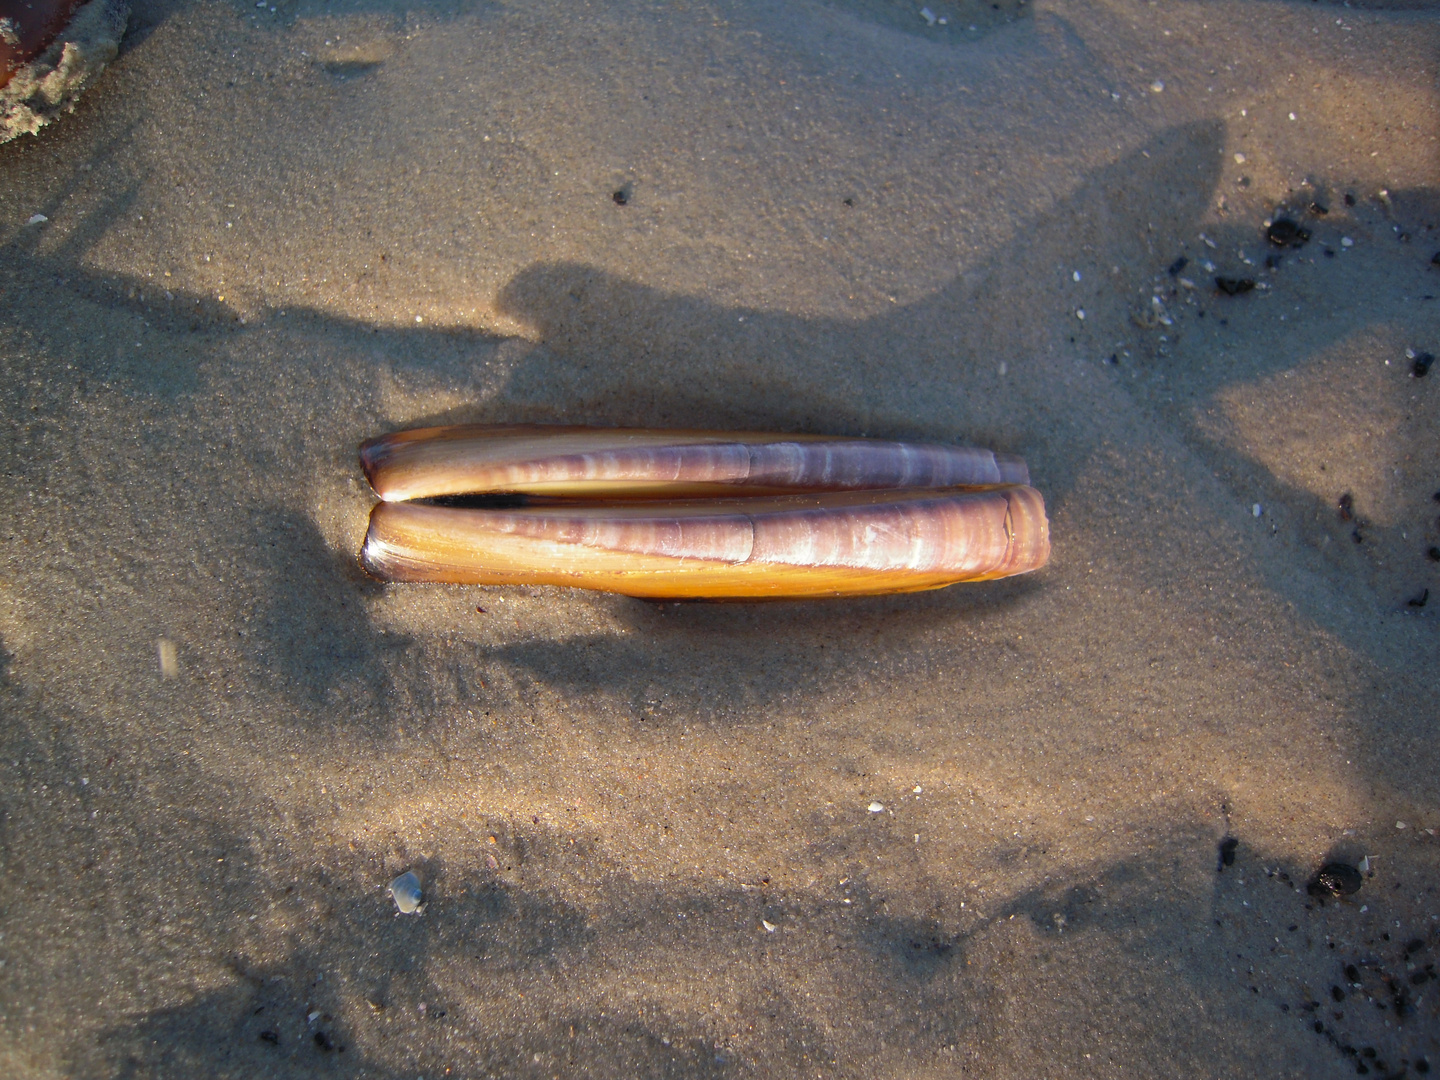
x=970 y=833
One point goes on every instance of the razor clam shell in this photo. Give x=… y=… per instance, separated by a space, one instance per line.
x=580 y=462
x=833 y=544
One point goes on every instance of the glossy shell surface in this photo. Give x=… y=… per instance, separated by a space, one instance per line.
x=596 y=463
x=696 y=515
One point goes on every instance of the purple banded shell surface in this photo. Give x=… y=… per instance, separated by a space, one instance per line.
x=579 y=463
x=801 y=545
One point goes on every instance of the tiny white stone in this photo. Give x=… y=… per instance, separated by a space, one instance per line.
x=1401 y=825
x=419 y=318
x=405 y=890
x=876 y=808
x=769 y=927
x=37 y=219
x=1365 y=865
x=918 y=789
x=1003 y=367
x=1239 y=159
x=1364 y=908
x=1157 y=86
x=1345 y=241
x=1080 y=314
x=928 y=16
x=1075 y=276
x=1257 y=509
x=1292 y=116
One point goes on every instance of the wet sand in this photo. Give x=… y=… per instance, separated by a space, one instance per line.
x=644 y=831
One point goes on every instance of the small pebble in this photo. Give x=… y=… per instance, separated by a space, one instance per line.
x=406 y=891
x=1232 y=286
x=1157 y=86
x=928 y=16
x=1075 y=276
x=1239 y=159
x=769 y=927
x=876 y=808
x=1257 y=510
x=1345 y=241
x=37 y=219
x=1420 y=363
x=1080 y=314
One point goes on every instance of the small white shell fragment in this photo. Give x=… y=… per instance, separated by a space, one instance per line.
x=406 y=891
x=769 y=927
x=928 y=16
x=1401 y=825
x=37 y=219
x=1345 y=241
x=876 y=808
x=1075 y=276
x=1080 y=314
x=1157 y=86
x=1239 y=159
x=169 y=660
x=918 y=789
x=1257 y=510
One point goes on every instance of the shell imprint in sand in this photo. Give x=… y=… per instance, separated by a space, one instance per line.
x=697 y=515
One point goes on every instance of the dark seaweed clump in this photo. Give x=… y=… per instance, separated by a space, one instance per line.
x=1335 y=879
x=1286 y=233
x=1234 y=286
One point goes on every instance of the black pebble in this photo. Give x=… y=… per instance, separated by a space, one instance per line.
x=1349 y=199
x=1435 y=259
x=1419 y=601
x=1319 y=1027
x=1329 y=253
x=1336 y=879
x=1227 y=853
x=1420 y=366
x=1414 y=945
x=1418 y=979
x=1352 y=973
x=1319 y=209
x=1434 y=554
x=1231 y=286
x=323 y=1041
x=1421 y=1065
x=1286 y=233
x=1337 y=993
x=848 y=202
x=1272 y=262
x=270 y=1037
x=1178 y=265
x=621 y=197
x=1346 y=506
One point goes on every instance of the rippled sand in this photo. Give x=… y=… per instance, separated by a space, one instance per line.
x=645 y=833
